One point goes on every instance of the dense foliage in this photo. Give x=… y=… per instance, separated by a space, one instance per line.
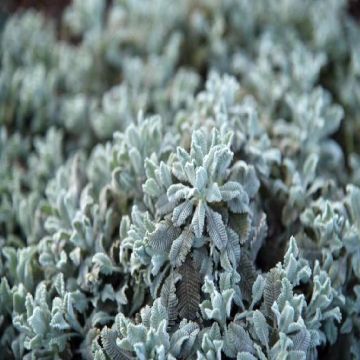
x=179 y=180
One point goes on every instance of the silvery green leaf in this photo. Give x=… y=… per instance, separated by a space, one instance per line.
x=181 y=247
x=309 y=168
x=136 y=333
x=158 y=314
x=201 y=179
x=272 y=291
x=124 y=227
x=296 y=355
x=182 y=340
x=291 y=268
x=245 y=356
x=177 y=192
x=60 y=284
x=261 y=327
x=213 y=193
x=233 y=247
x=219 y=305
x=236 y=340
x=162 y=338
x=257 y=289
x=163 y=236
x=203 y=261
x=222 y=160
x=230 y=190
x=163 y=206
x=183 y=155
x=182 y=212
x=246 y=175
x=39 y=321
x=58 y=322
x=354 y=204
x=190 y=173
x=301 y=340
x=259 y=236
x=228 y=296
x=108 y=339
x=150 y=166
x=198 y=220
x=239 y=204
x=248 y=275
x=5 y=296
x=216 y=228
x=75 y=256
x=136 y=160
x=286 y=317
x=165 y=175
x=177 y=170
x=198 y=146
x=169 y=298
x=152 y=188
x=104 y=262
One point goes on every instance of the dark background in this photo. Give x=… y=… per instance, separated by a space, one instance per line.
x=54 y=8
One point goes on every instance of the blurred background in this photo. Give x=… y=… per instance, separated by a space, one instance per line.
x=54 y=8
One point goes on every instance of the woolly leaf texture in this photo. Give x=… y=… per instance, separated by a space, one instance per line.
x=180 y=181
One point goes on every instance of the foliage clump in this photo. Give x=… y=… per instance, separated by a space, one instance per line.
x=180 y=181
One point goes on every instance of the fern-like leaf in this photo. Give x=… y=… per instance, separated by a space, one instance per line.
x=301 y=340
x=108 y=339
x=181 y=213
x=181 y=247
x=216 y=228
x=158 y=314
x=169 y=298
x=271 y=291
x=236 y=339
x=188 y=290
x=163 y=236
x=183 y=339
x=248 y=275
x=233 y=247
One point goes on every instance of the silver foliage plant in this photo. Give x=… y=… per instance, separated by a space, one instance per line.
x=180 y=181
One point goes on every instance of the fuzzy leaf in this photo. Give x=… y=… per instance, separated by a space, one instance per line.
x=198 y=220
x=108 y=339
x=181 y=247
x=236 y=339
x=257 y=289
x=104 y=262
x=182 y=212
x=216 y=228
x=261 y=327
x=163 y=236
x=271 y=291
x=169 y=297
x=245 y=356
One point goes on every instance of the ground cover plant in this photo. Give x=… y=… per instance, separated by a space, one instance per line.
x=180 y=180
